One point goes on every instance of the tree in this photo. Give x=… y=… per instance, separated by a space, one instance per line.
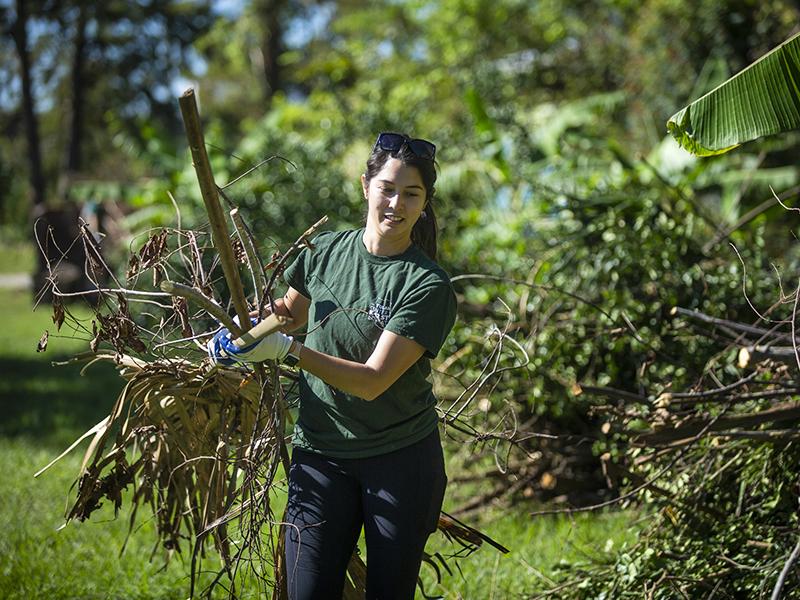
x=121 y=57
x=17 y=28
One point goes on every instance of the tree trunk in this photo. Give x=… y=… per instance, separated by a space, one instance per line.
x=73 y=161
x=40 y=226
x=20 y=34
x=268 y=13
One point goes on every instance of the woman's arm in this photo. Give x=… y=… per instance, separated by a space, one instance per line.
x=393 y=356
x=293 y=305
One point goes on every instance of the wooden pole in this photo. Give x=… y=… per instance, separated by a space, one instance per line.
x=219 y=229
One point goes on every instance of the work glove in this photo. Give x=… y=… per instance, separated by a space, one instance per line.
x=222 y=350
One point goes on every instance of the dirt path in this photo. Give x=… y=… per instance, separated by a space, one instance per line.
x=16 y=281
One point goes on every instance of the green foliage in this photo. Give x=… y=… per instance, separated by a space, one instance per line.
x=730 y=526
x=762 y=100
x=601 y=248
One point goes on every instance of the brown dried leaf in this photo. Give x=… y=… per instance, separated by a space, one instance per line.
x=180 y=306
x=42 y=345
x=273 y=260
x=123 y=304
x=153 y=249
x=95 y=267
x=133 y=267
x=136 y=343
x=238 y=251
x=95 y=337
x=58 y=312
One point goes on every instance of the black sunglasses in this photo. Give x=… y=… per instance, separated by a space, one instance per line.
x=392 y=142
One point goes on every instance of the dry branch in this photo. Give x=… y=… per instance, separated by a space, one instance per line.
x=206 y=303
x=783 y=412
x=208 y=189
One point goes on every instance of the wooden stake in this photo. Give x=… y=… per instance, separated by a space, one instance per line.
x=219 y=229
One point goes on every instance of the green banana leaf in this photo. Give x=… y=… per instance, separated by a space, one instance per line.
x=763 y=99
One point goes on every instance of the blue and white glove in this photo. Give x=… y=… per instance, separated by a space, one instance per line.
x=215 y=351
x=222 y=350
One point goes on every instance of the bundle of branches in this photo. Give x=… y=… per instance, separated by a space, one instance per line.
x=201 y=444
x=198 y=444
x=718 y=463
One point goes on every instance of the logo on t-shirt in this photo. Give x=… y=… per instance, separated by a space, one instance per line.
x=379 y=313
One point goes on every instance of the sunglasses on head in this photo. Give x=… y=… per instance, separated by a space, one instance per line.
x=392 y=142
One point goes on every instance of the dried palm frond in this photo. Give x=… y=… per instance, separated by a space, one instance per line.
x=199 y=444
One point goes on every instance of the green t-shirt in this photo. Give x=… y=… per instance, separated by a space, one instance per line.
x=354 y=296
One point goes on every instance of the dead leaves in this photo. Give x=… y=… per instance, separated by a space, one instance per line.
x=184 y=435
x=238 y=251
x=181 y=308
x=42 y=345
x=118 y=328
x=149 y=256
x=58 y=312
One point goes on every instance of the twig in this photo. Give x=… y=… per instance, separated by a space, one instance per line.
x=794 y=324
x=278 y=268
x=695 y=314
x=253 y=259
x=769 y=435
x=196 y=296
x=251 y=169
x=99 y=290
x=776 y=592
x=739 y=397
x=612 y=393
x=780 y=412
x=716 y=391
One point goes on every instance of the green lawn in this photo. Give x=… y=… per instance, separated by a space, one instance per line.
x=17 y=257
x=45 y=408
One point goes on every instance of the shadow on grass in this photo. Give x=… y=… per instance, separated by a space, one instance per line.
x=54 y=404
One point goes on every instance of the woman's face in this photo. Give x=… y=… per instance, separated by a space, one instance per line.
x=396 y=198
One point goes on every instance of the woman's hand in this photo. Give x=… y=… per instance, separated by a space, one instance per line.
x=223 y=351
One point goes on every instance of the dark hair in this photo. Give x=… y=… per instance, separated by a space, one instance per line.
x=425 y=229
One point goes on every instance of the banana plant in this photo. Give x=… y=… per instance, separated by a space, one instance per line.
x=762 y=99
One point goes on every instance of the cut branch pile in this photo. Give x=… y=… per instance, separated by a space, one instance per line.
x=719 y=464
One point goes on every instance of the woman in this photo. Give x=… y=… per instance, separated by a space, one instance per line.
x=366 y=445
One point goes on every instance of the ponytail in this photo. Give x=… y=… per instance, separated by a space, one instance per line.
x=425 y=231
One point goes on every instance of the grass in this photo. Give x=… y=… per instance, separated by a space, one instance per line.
x=45 y=408
x=543 y=549
x=17 y=257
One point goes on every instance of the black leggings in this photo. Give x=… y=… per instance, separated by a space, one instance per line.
x=396 y=497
